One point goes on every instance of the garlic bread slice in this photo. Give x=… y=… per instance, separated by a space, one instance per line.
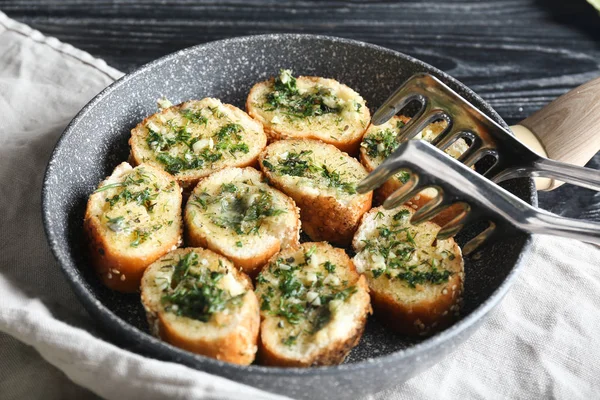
x=193 y=139
x=133 y=218
x=309 y=107
x=197 y=300
x=322 y=180
x=379 y=142
x=416 y=281
x=235 y=213
x=314 y=306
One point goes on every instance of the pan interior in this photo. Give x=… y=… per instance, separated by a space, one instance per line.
x=96 y=142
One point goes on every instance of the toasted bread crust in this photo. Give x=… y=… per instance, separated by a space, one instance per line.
x=349 y=144
x=254 y=137
x=323 y=216
x=253 y=259
x=237 y=346
x=232 y=348
x=271 y=351
x=117 y=270
x=402 y=311
x=422 y=318
x=334 y=354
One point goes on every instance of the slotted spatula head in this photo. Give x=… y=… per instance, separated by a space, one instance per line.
x=439 y=102
x=479 y=198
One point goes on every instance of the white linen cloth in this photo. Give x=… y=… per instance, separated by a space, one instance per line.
x=542 y=341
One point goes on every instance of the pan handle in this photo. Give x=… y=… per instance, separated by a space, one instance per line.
x=567 y=129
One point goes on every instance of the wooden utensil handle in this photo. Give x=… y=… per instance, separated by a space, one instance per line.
x=568 y=128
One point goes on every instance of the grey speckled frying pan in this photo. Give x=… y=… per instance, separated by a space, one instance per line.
x=96 y=141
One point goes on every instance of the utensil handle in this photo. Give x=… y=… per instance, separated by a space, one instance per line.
x=568 y=129
x=586 y=177
x=547 y=170
x=547 y=223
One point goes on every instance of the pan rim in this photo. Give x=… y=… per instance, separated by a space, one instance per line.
x=149 y=344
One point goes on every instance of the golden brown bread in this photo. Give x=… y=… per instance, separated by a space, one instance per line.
x=416 y=281
x=322 y=181
x=196 y=138
x=235 y=213
x=197 y=300
x=133 y=218
x=309 y=107
x=314 y=306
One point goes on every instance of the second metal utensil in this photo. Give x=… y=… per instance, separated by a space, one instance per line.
x=480 y=198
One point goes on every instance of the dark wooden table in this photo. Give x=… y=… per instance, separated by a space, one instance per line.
x=517 y=54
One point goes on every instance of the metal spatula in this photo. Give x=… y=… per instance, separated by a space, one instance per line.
x=480 y=198
x=487 y=138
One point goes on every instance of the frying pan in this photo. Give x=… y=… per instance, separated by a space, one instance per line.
x=96 y=141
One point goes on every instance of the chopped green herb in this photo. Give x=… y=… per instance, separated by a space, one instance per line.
x=195 y=117
x=239 y=244
x=227 y=138
x=287 y=98
x=195 y=294
x=329 y=266
x=228 y=187
x=295 y=164
x=297 y=297
x=143 y=198
x=290 y=340
x=336 y=182
x=300 y=164
x=260 y=278
x=268 y=165
x=401 y=214
x=434 y=276
x=309 y=253
x=377 y=272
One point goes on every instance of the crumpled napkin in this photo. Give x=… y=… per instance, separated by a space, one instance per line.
x=542 y=341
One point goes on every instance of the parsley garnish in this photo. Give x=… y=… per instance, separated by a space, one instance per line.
x=195 y=294
x=297 y=301
x=287 y=98
x=401 y=214
x=195 y=117
x=290 y=340
x=227 y=138
x=300 y=164
x=329 y=266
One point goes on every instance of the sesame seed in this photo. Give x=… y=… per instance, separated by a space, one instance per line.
x=116 y=272
x=109 y=275
x=445 y=313
x=445 y=291
x=414 y=206
x=417 y=197
x=122 y=277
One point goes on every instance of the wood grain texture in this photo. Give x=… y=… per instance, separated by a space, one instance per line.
x=517 y=54
x=569 y=127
